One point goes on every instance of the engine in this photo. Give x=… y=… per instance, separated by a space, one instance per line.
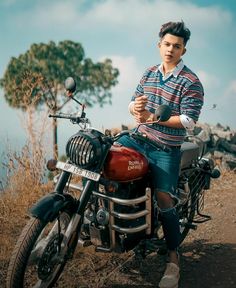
x=118 y=220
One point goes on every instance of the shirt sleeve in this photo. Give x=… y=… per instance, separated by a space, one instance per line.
x=192 y=100
x=139 y=89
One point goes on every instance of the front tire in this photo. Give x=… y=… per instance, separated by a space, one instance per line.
x=35 y=261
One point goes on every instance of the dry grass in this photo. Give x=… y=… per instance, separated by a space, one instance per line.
x=24 y=187
x=24 y=184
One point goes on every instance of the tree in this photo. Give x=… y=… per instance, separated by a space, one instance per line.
x=37 y=77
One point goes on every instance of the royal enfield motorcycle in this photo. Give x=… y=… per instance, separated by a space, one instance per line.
x=114 y=207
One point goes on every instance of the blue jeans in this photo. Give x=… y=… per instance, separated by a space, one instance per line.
x=164 y=167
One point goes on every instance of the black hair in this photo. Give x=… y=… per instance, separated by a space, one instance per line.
x=177 y=29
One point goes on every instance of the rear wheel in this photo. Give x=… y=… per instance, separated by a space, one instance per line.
x=36 y=259
x=186 y=216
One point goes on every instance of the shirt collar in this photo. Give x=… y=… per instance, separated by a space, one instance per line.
x=176 y=70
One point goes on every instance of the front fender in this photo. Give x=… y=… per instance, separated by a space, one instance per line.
x=48 y=207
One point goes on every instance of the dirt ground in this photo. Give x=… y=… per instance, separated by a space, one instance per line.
x=208 y=254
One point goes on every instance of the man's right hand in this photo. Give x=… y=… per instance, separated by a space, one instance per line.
x=139 y=112
x=140 y=103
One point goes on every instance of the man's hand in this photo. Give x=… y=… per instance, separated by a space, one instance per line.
x=140 y=114
x=142 y=117
x=140 y=103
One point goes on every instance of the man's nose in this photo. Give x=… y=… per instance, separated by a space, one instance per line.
x=171 y=48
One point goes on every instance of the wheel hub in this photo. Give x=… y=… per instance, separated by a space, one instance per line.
x=49 y=257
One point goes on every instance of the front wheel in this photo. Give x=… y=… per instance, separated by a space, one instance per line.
x=36 y=259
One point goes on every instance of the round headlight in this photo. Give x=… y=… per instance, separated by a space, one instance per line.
x=84 y=148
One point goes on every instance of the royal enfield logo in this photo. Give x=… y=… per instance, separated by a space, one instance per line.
x=135 y=165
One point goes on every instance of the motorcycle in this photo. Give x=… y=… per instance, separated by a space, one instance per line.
x=114 y=207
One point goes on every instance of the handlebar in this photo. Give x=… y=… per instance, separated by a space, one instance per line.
x=71 y=117
x=134 y=134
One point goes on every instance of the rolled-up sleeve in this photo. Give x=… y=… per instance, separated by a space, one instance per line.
x=192 y=100
x=139 y=89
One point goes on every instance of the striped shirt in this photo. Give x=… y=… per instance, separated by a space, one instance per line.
x=181 y=90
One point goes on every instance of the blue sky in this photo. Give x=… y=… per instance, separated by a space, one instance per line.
x=127 y=32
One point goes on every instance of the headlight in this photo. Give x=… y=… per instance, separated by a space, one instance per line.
x=84 y=148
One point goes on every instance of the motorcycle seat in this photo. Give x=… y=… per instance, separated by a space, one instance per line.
x=189 y=154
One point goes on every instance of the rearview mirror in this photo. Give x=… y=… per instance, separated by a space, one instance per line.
x=70 y=85
x=163 y=113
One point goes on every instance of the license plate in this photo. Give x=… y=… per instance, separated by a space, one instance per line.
x=78 y=171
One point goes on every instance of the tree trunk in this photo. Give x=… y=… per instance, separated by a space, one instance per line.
x=55 y=144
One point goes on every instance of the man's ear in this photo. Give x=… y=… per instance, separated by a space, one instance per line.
x=159 y=44
x=184 y=51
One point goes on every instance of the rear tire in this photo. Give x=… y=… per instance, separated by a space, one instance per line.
x=34 y=261
x=186 y=216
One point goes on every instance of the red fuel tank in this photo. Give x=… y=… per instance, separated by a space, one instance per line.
x=124 y=164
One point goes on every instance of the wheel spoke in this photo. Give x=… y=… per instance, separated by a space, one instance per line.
x=36 y=260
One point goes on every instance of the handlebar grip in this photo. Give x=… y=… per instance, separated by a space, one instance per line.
x=60 y=116
x=67 y=116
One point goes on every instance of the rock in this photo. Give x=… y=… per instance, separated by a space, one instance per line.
x=220 y=142
x=204 y=135
x=228 y=147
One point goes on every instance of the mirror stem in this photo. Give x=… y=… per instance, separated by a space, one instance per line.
x=76 y=101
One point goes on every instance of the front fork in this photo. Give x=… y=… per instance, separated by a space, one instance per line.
x=61 y=182
x=73 y=229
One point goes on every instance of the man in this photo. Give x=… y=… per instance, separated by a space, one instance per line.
x=174 y=84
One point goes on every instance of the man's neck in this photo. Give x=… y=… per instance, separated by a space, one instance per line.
x=168 y=68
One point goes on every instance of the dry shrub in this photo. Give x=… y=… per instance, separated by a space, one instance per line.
x=25 y=184
x=24 y=187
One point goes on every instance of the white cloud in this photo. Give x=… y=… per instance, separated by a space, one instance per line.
x=208 y=80
x=230 y=94
x=61 y=14
x=145 y=14
x=232 y=87
x=139 y=15
x=130 y=72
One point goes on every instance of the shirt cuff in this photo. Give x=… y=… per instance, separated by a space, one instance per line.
x=131 y=108
x=187 y=122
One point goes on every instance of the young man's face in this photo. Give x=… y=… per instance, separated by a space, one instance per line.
x=171 y=49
